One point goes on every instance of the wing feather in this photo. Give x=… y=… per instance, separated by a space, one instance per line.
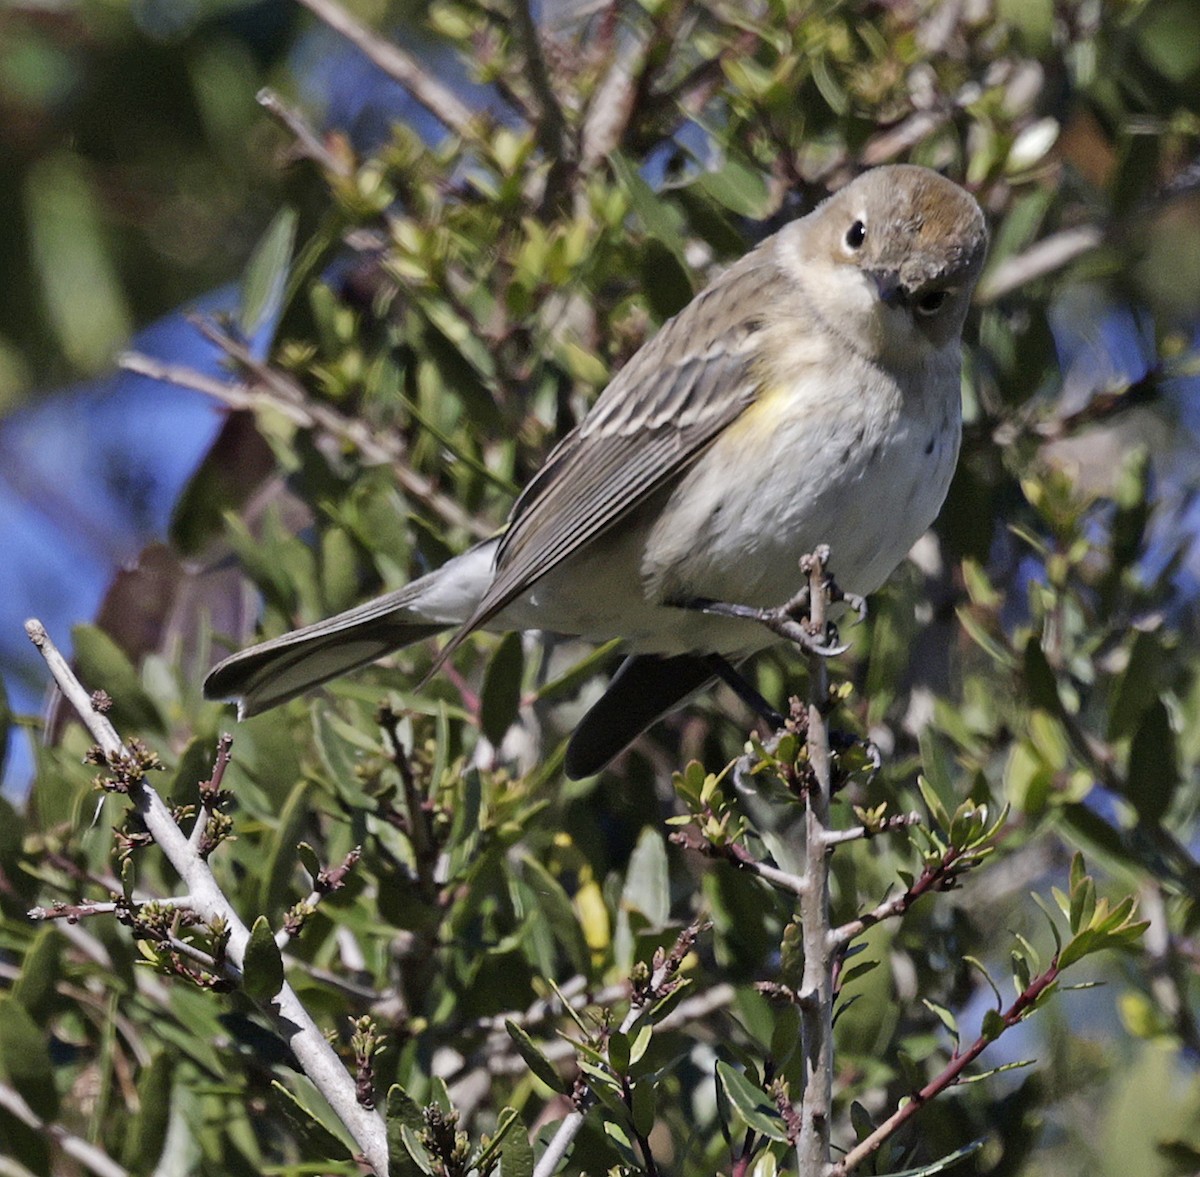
x=692 y=380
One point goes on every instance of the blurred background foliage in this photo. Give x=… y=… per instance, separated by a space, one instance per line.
x=441 y=299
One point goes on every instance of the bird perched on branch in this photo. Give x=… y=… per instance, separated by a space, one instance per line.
x=811 y=394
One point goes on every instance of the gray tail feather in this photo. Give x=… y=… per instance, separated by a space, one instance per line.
x=274 y=672
x=644 y=689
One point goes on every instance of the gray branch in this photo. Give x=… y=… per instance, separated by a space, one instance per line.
x=289 y=1017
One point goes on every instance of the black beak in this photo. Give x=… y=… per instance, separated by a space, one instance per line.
x=892 y=292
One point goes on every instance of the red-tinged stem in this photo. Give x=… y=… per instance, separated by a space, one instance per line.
x=949 y=1076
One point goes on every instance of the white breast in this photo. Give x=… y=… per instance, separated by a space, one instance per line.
x=862 y=464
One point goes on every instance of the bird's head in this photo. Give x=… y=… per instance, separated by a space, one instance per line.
x=891 y=259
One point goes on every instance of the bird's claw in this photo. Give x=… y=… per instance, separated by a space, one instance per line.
x=789 y=621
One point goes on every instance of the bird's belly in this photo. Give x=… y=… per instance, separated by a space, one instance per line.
x=868 y=486
x=735 y=527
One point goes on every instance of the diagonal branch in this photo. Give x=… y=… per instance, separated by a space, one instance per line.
x=86 y=1155
x=950 y=1075
x=397 y=63
x=612 y=104
x=286 y=1013
x=552 y=124
x=290 y=401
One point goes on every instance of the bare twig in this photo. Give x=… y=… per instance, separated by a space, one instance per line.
x=949 y=1076
x=91 y=1158
x=612 y=103
x=308 y=142
x=898 y=821
x=738 y=856
x=429 y=91
x=552 y=125
x=816 y=986
x=74 y=912
x=935 y=877
x=289 y=1017
x=659 y=984
x=1040 y=259
x=311 y=415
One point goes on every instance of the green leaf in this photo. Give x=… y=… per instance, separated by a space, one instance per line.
x=644 y=1110
x=339 y=760
x=992 y=646
x=937 y=811
x=25 y=1058
x=860 y=1121
x=338 y=570
x=279 y=850
x=506 y=1122
x=265 y=277
x=501 y=697
x=104 y=665
x=556 y=910
x=1138 y=686
x=855 y=971
x=40 y=972
x=665 y=280
x=1051 y=921
x=641 y=1041
x=1153 y=772
x=661 y=220
x=751 y=1103
x=313 y=1123
x=940 y=1166
x=1167 y=37
x=618 y=1052
x=647 y=885
x=539 y=1064
x=1040 y=682
x=516 y=1156
x=310 y=861
x=944 y=1016
x=262 y=968
x=979 y=1076
x=1083 y=903
x=993 y=1025
x=739 y=188
x=402 y=1116
x=892 y=626
x=575 y=676
x=148 y=1131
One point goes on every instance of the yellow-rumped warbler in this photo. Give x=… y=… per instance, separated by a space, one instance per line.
x=809 y=395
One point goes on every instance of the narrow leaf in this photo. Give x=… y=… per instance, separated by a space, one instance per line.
x=538 y=1063
x=262 y=968
x=751 y=1103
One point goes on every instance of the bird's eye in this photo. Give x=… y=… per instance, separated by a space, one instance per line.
x=932 y=301
x=856 y=235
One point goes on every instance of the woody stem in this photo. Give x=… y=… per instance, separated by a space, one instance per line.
x=816 y=991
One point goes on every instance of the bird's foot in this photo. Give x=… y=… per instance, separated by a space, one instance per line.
x=793 y=619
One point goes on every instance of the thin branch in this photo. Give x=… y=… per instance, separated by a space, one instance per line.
x=552 y=124
x=659 y=984
x=288 y=1015
x=611 y=107
x=898 y=821
x=74 y=912
x=93 y=1159
x=739 y=857
x=1040 y=259
x=397 y=63
x=816 y=986
x=949 y=1076
x=932 y=878
x=308 y=142
x=311 y=415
